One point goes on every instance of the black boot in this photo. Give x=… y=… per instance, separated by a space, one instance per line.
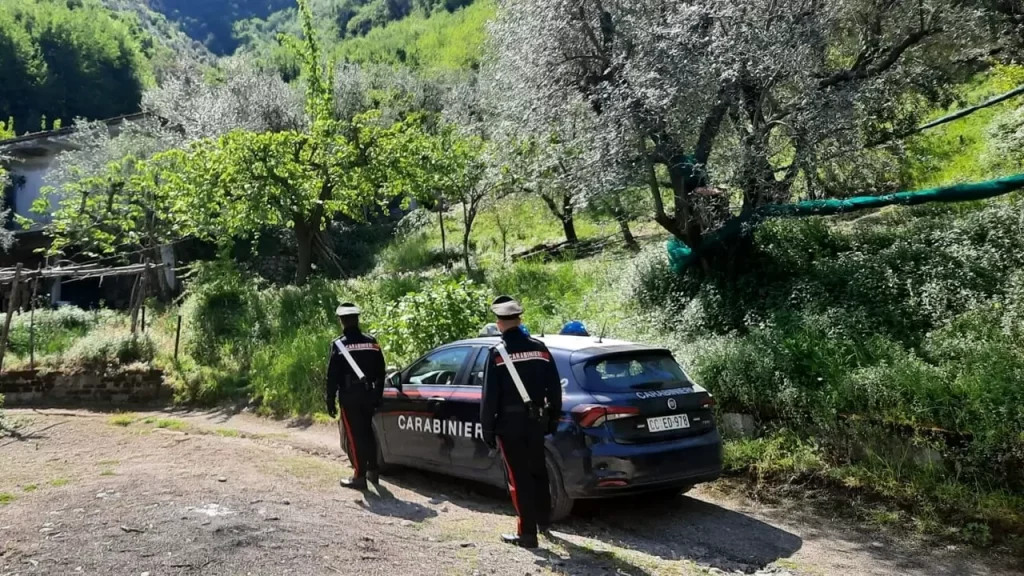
x=373 y=476
x=521 y=541
x=355 y=483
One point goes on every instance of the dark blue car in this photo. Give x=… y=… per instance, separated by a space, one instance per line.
x=633 y=421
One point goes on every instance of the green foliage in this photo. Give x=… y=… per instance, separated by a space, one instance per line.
x=7 y=129
x=973 y=148
x=55 y=330
x=441 y=41
x=907 y=319
x=121 y=208
x=122 y=420
x=222 y=317
x=444 y=35
x=415 y=254
x=105 y=349
x=244 y=183
x=442 y=312
x=288 y=375
x=64 y=60
x=926 y=499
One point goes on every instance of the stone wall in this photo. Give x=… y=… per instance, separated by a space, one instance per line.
x=25 y=388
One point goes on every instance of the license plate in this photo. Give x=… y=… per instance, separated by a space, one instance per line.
x=663 y=423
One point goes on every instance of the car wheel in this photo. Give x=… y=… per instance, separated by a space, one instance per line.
x=561 y=503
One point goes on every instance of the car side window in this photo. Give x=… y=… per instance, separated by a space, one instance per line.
x=476 y=376
x=439 y=368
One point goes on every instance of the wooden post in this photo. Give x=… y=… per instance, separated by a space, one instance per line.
x=11 y=304
x=177 y=338
x=32 y=320
x=142 y=295
x=134 y=309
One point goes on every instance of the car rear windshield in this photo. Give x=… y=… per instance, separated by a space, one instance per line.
x=624 y=373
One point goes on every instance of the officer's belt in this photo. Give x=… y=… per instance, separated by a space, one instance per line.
x=353 y=384
x=531 y=412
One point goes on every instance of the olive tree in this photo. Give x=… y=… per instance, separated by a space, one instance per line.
x=761 y=100
x=207 y=103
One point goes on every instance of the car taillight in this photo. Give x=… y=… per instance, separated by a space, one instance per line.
x=708 y=403
x=592 y=416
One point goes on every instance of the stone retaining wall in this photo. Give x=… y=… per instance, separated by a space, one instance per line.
x=25 y=388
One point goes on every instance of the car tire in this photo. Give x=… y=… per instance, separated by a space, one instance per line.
x=561 y=503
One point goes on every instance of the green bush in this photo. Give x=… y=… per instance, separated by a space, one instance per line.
x=543 y=289
x=55 y=330
x=416 y=254
x=288 y=375
x=444 y=311
x=222 y=316
x=106 y=348
x=910 y=321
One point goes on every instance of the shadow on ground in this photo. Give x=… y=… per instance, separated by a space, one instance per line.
x=380 y=501
x=682 y=528
x=583 y=559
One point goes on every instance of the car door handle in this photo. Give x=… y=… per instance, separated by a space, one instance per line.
x=436 y=400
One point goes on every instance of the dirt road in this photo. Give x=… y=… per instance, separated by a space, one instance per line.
x=213 y=493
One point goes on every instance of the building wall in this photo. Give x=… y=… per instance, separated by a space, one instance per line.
x=29 y=177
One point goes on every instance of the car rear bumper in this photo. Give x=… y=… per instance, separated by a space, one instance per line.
x=619 y=469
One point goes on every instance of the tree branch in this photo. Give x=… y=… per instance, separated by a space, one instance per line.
x=864 y=67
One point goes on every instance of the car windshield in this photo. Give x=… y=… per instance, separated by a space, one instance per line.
x=649 y=371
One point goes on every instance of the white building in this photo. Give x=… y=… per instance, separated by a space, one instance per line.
x=28 y=159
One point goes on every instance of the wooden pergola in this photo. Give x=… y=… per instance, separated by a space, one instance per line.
x=18 y=278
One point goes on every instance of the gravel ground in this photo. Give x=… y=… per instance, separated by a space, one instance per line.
x=219 y=493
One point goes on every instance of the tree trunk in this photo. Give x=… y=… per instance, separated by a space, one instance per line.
x=622 y=218
x=568 y=219
x=444 y=240
x=468 y=216
x=627 y=234
x=304 y=237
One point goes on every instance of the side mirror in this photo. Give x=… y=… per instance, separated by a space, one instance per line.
x=395 y=380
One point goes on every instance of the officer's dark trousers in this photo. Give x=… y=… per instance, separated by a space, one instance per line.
x=527 y=477
x=356 y=424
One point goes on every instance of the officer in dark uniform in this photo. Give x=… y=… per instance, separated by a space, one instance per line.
x=516 y=425
x=355 y=377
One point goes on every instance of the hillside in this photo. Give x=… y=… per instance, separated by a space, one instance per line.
x=224 y=26
x=62 y=61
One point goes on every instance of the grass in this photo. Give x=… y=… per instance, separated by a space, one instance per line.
x=322 y=418
x=171 y=424
x=107 y=473
x=108 y=463
x=6 y=498
x=957 y=152
x=122 y=420
x=58 y=482
x=29 y=488
x=227 y=432
x=925 y=500
x=311 y=469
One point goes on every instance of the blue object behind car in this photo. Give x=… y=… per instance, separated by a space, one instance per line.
x=633 y=421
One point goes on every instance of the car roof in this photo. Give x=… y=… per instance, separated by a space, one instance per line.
x=578 y=348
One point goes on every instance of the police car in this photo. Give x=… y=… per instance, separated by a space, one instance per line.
x=632 y=420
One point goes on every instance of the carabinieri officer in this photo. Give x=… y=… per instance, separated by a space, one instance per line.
x=522 y=402
x=355 y=377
